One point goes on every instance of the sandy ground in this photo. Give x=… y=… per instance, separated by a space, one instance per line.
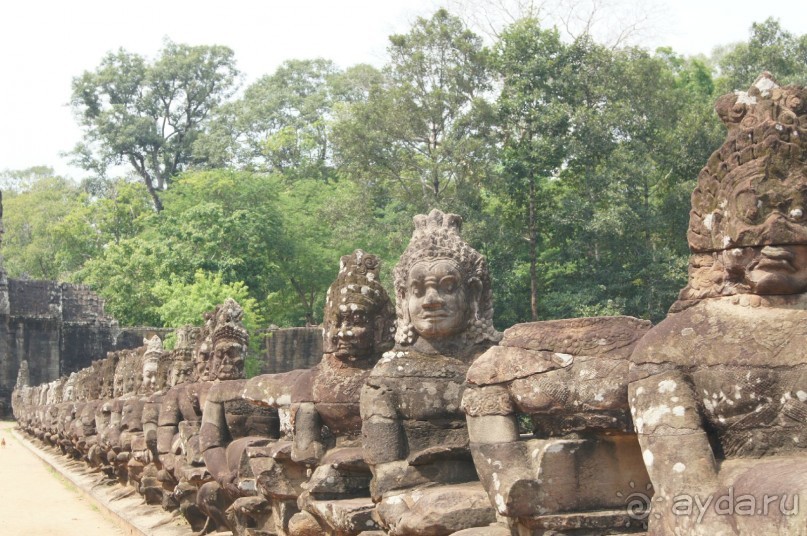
x=35 y=501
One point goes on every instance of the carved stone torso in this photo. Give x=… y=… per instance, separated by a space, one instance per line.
x=424 y=391
x=184 y=402
x=335 y=388
x=241 y=418
x=746 y=359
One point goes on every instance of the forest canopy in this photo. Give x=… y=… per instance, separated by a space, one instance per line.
x=571 y=162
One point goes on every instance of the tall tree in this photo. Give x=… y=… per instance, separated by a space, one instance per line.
x=32 y=246
x=282 y=124
x=147 y=115
x=535 y=109
x=769 y=48
x=420 y=134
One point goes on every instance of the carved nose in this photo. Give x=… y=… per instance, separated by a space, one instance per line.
x=432 y=299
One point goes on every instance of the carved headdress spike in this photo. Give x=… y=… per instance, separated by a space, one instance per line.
x=229 y=327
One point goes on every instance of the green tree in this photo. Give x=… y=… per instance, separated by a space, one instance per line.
x=769 y=48
x=624 y=190
x=421 y=135
x=281 y=122
x=185 y=303
x=281 y=239
x=321 y=223
x=23 y=179
x=147 y=115
x=219 y=221
x=535 y=109
x=33 y=246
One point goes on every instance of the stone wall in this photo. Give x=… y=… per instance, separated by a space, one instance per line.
x=290 y=348
x=58 y=328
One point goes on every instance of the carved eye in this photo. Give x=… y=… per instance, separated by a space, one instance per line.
x=448 y=284
x=416 y=289
x=748 y=205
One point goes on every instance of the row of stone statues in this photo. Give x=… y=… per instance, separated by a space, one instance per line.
x=421 y=419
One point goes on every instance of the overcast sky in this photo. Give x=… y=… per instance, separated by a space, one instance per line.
x=43 y=45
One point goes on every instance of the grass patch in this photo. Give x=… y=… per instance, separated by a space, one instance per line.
x=62 y=480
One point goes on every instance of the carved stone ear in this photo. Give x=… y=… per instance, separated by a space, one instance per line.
x=378 y=329
x=475 y=287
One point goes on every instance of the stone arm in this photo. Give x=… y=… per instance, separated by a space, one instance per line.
x=213 y=438
x=674 y=443
x=502 y=460
x=151 y=412
x=277 y=391
x=384 y=443
x=307 y=446
x=113 y=429
x=675 y=446
x=168 y=423
x=383 y=437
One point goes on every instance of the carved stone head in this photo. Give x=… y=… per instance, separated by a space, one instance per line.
x=182 y=357
x=748 y=223
x=359 y=319
x=88 y=384
x=69 y=389
x=23 y=375
x=107 y=375
x=128 y=373
x=204 y=349
x=230 y=342
x=152 y=358
x=186 y=337
x=442 y=285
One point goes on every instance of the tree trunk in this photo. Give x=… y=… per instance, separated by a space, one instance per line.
x=533 y=253
x=140 y=167
x=308 y=305
x=155 y=199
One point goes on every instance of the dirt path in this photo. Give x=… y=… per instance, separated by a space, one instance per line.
x=35 y=501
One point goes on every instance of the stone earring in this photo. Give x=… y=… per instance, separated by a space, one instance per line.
x=476 y=328
x=407 y=334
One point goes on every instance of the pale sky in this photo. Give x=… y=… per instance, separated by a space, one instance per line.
x=43 y=45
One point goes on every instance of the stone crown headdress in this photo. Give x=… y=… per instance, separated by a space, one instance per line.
x=753 y=189
x=358 y=283
x=228 y=324
x=154 y=349
x=186 y=337
x=437 y=236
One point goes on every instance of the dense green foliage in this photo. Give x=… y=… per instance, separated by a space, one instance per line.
x=148 y=116
x=572 y=164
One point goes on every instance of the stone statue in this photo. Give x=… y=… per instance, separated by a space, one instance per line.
x=23 y=381
x=180 y=417
x=414 y=433
x=125 y=403
x=718 y=388
x=97 y=454
x=175 y=368
x=88 y=393
x=143 y=459
x=66 y=413
x=358 y=327
x=229 y=423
